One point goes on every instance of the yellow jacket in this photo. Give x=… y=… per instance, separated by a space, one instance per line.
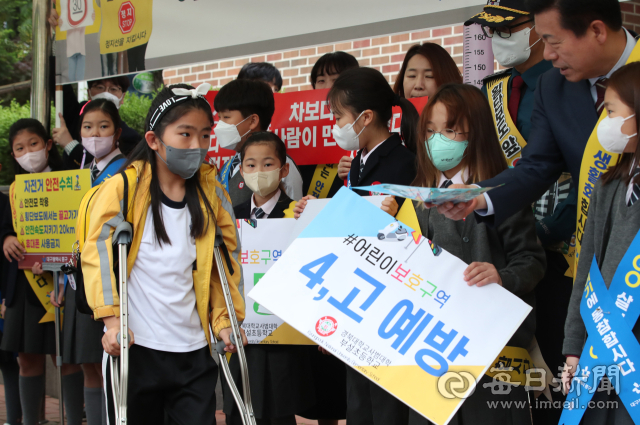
x=105 y=213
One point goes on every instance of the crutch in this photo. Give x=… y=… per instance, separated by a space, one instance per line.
x=120 y=365
x=245 y=407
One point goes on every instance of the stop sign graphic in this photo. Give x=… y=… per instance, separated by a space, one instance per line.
x=126 y=17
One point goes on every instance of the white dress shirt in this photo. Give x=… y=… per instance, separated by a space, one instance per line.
x=267 y=207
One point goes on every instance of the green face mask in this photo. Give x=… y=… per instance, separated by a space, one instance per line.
x=444 y=153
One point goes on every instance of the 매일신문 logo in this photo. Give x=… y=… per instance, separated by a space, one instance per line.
x=326 y=326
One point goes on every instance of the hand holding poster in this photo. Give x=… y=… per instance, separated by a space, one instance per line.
x=372 y=292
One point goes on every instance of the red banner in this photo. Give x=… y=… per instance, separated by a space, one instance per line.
x=304 y=122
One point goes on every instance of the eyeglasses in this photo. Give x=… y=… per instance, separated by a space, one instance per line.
x=447 y=132
x=101 y=89
x=503 y=32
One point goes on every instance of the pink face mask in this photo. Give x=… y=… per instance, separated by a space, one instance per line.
x=98 y=146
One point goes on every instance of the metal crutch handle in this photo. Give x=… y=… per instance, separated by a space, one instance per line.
x=220 y=345
x=245 y=407
x=122 y=236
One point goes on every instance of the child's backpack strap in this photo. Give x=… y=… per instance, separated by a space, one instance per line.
x=129 y=177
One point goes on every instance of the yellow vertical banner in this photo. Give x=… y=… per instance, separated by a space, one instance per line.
x=595 y=162
x=125 y=24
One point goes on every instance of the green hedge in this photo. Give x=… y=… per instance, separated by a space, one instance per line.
x=9 y=115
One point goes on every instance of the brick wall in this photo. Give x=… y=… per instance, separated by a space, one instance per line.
x=631 y=15
x=383 y=53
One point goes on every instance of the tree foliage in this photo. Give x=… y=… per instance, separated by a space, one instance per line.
x=15 y=45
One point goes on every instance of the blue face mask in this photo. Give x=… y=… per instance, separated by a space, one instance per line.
x=444 y=153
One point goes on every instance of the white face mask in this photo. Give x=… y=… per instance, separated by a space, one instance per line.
x=228 y=135
x=512 y=51
x=98 y=146
x=346 y=136
x=108 y=96
x=33 y=162
x=610 y=134
x=263 y=182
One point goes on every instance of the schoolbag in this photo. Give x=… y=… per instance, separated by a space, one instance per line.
x=75 y=270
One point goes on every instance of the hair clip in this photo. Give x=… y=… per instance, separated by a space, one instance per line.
x=84 y=106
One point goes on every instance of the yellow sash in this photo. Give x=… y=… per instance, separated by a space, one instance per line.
x=511 y=141
x=595 y=160
x=322 y=180
x=41 y=285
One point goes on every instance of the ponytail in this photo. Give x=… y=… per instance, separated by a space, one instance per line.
x=360 y=89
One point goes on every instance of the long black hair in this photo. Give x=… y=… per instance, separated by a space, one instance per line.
x=194 y=192
x=33 y=126
x=359 y=89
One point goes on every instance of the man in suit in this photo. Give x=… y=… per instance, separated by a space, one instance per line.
x=511 y=95
x=586 y=43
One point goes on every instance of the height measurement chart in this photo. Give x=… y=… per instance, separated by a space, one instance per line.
x=478 y=55
x=391 y=305
x=45 y=213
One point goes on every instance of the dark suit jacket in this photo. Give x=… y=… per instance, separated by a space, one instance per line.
x=563 y=118
x=390 y=163
x=243 y=210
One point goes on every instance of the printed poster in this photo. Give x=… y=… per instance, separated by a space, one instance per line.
x=47 y=212
x=76 y=14
x=263 y=242
x=391 y=305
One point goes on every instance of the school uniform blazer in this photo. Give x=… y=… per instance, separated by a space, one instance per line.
x=511 y=247
x=243 y=210
x=279 y=374
x=390 y=163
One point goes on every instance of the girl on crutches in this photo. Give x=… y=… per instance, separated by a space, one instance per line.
x=175 y=297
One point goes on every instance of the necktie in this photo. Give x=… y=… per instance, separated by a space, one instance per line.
x=361 y=170
x=234 y=164
x=258 y=212
x=94 y=171
x=516 y=94
x=635 y=194
x=445 y=184
x=601 y=87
